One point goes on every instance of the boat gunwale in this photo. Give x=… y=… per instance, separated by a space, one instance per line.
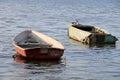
x=78 y=26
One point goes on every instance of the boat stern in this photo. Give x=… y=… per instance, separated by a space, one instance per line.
x=103 y=38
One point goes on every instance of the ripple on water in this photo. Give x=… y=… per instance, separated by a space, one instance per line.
x=52 y=17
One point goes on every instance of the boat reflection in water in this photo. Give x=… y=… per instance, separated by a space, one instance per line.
x=20 y=59
x=41 y=68
x=83 y=46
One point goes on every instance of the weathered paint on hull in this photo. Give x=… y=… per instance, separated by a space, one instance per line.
x=77 y=34
x=88 y=37
x=39 y=53
x=104 y=39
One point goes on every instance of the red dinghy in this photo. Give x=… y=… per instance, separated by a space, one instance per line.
x=35 y=45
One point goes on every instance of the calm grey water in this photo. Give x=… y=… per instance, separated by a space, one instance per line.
x=51 y=17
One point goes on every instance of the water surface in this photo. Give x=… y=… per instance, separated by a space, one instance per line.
x=51 y=17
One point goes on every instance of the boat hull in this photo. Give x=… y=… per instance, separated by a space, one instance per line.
x=40 y=53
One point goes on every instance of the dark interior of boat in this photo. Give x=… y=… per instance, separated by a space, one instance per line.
x=30 y=42
x=84 y=27
x=89 y=28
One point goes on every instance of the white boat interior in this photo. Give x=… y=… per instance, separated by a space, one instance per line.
x=29 y=40
x=33 y=39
